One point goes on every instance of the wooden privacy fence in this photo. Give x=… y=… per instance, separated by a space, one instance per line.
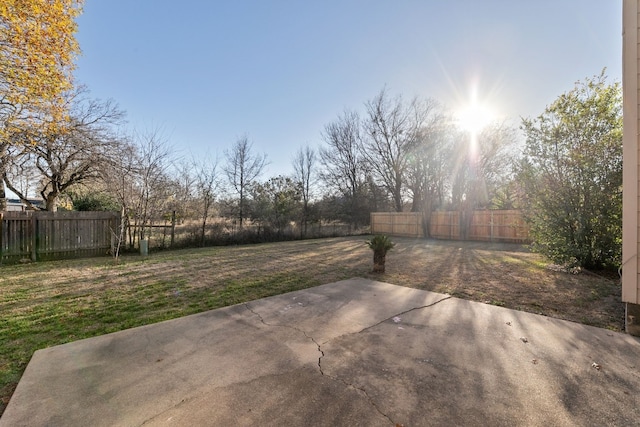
x=485 y=225
x=407 y=224
x=37 y=236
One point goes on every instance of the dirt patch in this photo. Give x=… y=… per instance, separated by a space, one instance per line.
x=509 y=276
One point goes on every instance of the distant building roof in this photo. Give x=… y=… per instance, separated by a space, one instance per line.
x=17 y=205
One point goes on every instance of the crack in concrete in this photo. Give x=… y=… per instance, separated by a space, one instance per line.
x=404 y=312
x=246 y=305
x=322 y=354
x=366 y=395
x=155 y=417
x=362 y=389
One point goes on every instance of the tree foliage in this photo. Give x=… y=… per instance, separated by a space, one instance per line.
x=93 y=201
x=275 y=203
x=37 y=53
x=571 y=174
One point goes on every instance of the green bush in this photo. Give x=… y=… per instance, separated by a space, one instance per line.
x=571 y=175
x=380 y=243
x=94 y=202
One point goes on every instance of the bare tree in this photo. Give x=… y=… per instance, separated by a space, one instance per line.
x=303 y=167
x=139 y=179
x=120 y=178
x=344 y=167
x=153 y=183
x=392 y=129
x=242 y=169
x=22 y=173
x=185 y=178
x=428 y=169
x=207 y=182
x=497 y=144
x=66 y=154
x=481 y=164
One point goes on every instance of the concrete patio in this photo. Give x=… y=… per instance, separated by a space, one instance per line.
x=355 y=352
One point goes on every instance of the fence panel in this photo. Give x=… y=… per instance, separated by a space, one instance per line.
x=445 y=225
x=407 y=224
x=499 y=226
x=485 y=225
x=55 y=235
x=481 y=226
x=16 y=233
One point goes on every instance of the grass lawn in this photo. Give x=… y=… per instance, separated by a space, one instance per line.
x=50 y=303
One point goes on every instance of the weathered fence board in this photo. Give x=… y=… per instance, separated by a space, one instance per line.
x=485 y=225
x=55 y=235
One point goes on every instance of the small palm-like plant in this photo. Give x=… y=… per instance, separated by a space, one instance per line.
x=380 y=244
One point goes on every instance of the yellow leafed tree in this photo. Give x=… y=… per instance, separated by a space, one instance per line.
x=37 y=50
x=37 y=58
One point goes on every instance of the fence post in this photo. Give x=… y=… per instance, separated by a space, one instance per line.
x=112 y=235
x=491 y=221
x=173 y=227
x=1 y=235
x=113 y=225
x=34 y=240
x=393 y=224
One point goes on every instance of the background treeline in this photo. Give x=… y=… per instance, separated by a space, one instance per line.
x=392 y=155
x=563 y=168
x=389 y=154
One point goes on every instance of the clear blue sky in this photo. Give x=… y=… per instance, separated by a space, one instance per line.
x=208 y=72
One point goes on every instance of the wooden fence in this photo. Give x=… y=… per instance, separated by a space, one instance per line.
x=38 y=236
x=485 y=225
x=407 y=224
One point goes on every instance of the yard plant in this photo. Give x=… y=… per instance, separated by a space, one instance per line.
x=380 y=245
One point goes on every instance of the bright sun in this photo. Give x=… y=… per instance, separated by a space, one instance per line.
x=474 y=117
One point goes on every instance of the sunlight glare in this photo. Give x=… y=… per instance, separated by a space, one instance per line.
x=474 y=117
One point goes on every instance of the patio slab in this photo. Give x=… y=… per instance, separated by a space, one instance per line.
x=355 y=352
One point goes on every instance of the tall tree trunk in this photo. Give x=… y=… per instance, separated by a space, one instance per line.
x=3 y=197
x=3 y=194
x=52 y=202
x=397 y=196
x=426 y=216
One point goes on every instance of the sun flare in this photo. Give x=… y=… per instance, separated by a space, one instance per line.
x=474 y=117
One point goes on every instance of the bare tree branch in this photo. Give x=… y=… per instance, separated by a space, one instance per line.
x=242 y=168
